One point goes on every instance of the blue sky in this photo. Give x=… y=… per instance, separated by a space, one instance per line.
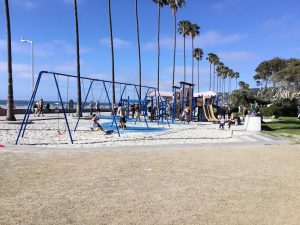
x=241 y=32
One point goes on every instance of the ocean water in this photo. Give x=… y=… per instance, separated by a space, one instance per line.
x=23 y=104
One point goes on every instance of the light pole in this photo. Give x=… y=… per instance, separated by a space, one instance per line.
x=32 y=60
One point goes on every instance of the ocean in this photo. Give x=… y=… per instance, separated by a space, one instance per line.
x=23 y=104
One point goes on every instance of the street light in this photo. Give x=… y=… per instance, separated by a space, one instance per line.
x=32 y=61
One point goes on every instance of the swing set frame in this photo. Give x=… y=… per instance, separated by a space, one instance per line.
x=55 y=76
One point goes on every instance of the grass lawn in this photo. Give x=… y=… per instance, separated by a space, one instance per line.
x=288 y=127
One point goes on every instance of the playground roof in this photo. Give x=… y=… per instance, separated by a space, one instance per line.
x=205 y=94
x=161 y=93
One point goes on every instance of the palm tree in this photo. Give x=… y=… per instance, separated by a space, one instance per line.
x=210 y=60
x=10 y=116
x=215 y=62
x=139 y=48
x=184 y=29
x=219 y=68
x=198 y=55
x=175 y=4
x=194 y=32
x=78 y=109
x=112 y=56
x=236 y=76
x=160 y=4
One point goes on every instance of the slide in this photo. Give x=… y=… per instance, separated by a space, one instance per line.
x=206 y=113
x=211 y=110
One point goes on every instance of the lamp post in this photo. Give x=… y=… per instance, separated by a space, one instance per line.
x=32 y=60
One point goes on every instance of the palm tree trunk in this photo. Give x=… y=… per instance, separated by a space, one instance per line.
x=139 y=49
x=198 y=77
x=158 y=46
x=214 y=77
x=174 y=54
x=78 y=107
x=184 y=78
x=235 y=83
x=112 y=56
x=10 y=116
x=192 y=61
x=217 y=78
x=210 y=76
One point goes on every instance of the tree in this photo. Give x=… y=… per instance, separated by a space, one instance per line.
x=290 y=75
x=175 y=4
x=139 y=48
x=160 y=4
x=219 y=69
x=112 y=56
x=194 y=32
x=79 y=102
x=236 y=76
x=184 y=29
x=198 y=55
x=212 y=59
x=10 y=116
x=267 y=69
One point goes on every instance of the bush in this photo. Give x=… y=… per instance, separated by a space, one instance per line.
x=279 y=111
x=270 y=111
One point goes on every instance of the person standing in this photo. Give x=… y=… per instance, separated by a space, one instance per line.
x=91 y=107
x=98 y=107
x=71 y=107
x=121 y=112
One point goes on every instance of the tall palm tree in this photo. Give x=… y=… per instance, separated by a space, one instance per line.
x=219 y=70
x=10 y=116
x=175 y=4
x=215 y=62
x=194 y=32
x=224 y=75
x=79 y=102
x=112 y=56
x=236 y=76
x=139 y=48
x=184 y=30
x=198 y=55
x=210 y=60
x=160 y=4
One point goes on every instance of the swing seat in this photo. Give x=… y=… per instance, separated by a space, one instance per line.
x=1 y=145
x=61 y=132
x=108 y=132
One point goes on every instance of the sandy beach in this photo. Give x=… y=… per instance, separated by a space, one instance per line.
x=42 y=132
x=183 y=174
x=134 y=185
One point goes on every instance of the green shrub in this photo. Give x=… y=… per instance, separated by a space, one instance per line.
x=279 y=111
x=270 y=111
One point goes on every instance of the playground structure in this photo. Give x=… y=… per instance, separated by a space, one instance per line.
x=123 y=88
x=204 y=105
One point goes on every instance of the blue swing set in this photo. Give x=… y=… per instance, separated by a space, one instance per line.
x=143 y=103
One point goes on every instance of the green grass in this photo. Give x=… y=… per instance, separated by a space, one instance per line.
x=286 y=127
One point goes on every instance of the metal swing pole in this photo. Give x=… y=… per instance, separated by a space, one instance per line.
x=63 y=108
x=82 y=107
x=113 y=113
x=28 y=110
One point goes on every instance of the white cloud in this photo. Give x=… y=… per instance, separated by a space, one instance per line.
x=118 y=42
x=237 y=55
x=19 y=69
x=26 y=4
x=223 y=4
x=209 y=38
x=215 y=38
x=277 y=22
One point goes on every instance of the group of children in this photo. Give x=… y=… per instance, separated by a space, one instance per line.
x=38 y=108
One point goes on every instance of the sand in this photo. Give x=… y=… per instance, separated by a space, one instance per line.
x=176 y=184
x=42 y=132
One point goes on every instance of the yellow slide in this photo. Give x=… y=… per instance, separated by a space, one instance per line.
x=211 y=110
x=206 y=113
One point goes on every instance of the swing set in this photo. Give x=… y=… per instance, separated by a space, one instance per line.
x=65 y=109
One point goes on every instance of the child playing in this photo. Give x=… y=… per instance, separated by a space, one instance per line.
x=222 y=123
x=122 y=113
x=96 y=125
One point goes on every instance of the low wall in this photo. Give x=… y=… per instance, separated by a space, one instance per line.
x=253 y=123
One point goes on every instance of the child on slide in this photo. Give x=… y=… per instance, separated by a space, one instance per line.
x=97 y=126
